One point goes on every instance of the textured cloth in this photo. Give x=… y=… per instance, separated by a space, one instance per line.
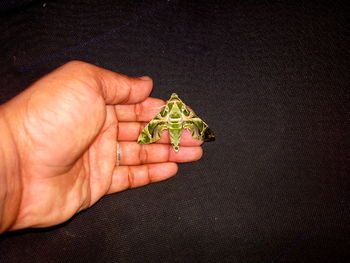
x=271 y=80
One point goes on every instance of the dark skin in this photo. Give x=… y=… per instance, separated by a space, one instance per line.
x=59 y=139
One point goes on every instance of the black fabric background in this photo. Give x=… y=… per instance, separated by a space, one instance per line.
x=270 y=78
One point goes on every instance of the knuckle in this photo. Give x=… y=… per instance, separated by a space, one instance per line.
x=148 y=174
x=138 y=108
x=130 y=177
x=76 y=64
x=143 y=154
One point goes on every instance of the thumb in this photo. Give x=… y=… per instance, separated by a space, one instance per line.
x=113 y=87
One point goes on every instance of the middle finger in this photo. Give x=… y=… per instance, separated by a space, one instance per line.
x=143 y=111
x=136 y=154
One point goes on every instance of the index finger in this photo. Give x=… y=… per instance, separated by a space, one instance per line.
x=113 y=87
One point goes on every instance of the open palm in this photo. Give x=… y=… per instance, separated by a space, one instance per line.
x=67 y=128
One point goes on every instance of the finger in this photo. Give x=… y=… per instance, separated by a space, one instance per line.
x=143 y=111
x=125 y=177
x=115 y=88
x=129 y=131
x=136 y=154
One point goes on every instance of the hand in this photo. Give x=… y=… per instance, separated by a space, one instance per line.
x=66 y=127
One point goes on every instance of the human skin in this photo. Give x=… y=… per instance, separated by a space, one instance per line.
x=58 y=141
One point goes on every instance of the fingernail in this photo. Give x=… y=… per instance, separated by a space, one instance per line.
x=145 y=78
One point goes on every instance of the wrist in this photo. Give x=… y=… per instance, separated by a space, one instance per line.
x=10 y=176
